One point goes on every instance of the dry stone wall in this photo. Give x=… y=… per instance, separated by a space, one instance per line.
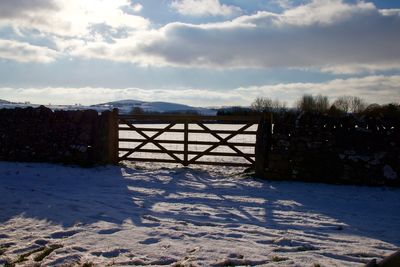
x=343 y=149
x=42 y=135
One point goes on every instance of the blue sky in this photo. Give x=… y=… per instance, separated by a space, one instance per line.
x=198 y=52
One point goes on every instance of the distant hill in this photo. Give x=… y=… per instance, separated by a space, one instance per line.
x=4 y=101
x=126 y=106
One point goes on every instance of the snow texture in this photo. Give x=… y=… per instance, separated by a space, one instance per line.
x=168 y=215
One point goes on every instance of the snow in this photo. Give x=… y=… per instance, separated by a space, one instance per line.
x=169 y=215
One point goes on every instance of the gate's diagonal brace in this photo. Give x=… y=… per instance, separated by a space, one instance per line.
x=224 y=142
x=149 y=140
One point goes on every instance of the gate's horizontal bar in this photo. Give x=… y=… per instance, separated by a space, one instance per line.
x=151 y=160
x=182 y=130
x=182 y=142
x=190 y=118
x=189 y=152
x=232 y=164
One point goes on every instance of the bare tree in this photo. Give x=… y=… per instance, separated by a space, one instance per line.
x=342 y=103
x=278 y=105
x=266 y=104
x=321 y=103
x=352 y=104
x=318 y=103
x=306 y=103
x=260 y=104
x=358 y=104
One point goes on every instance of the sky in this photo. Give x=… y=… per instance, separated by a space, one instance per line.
x=198 y=52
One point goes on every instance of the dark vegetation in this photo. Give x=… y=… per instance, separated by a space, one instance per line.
x=318 y=104
x=242 y=111
x=140 y=111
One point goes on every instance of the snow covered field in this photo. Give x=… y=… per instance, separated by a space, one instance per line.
x=152 y=215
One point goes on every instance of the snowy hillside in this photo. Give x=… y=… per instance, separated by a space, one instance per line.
x=53 y=215
x=125 y=106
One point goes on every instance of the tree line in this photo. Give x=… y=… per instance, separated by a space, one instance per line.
x=321 y=104
x=306 y=103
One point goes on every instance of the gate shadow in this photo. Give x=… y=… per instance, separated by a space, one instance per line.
x=181 y=196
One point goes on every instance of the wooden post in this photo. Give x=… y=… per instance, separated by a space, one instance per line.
x=112 y=138
x=263 y=144
x=186 y=143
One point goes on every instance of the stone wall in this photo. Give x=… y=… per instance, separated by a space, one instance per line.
x=342 y=149
x=42 y=135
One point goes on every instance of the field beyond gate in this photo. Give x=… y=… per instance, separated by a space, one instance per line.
x=188 y=139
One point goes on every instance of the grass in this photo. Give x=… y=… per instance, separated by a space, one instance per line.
x=278 y=259
x=3 y=248
x=46 y=252
x=9 y=264
x=23 y=257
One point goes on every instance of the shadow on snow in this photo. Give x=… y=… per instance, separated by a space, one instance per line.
x=194 y=197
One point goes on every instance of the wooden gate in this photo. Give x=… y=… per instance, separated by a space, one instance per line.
x=152 y=130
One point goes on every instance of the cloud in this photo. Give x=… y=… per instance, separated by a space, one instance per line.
x=324 y=12
x=137 y=7
x=70 y=18
x=24 y=52
x=374 y=89
x=328 y=35
x=18 y=8
x=204 y=8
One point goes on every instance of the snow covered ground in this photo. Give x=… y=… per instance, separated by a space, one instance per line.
x=154 y=215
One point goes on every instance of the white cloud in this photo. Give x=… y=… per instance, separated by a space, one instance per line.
x=19 y=8
x=137 y=7
x=374 y=89
x=24 y=52
x=73 y=18
x=325 y=34
x=324 y=12
x=204 y=8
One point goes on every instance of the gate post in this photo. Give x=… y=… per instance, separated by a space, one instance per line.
x=186 y=143
x=263 y=144
x=112 y=137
